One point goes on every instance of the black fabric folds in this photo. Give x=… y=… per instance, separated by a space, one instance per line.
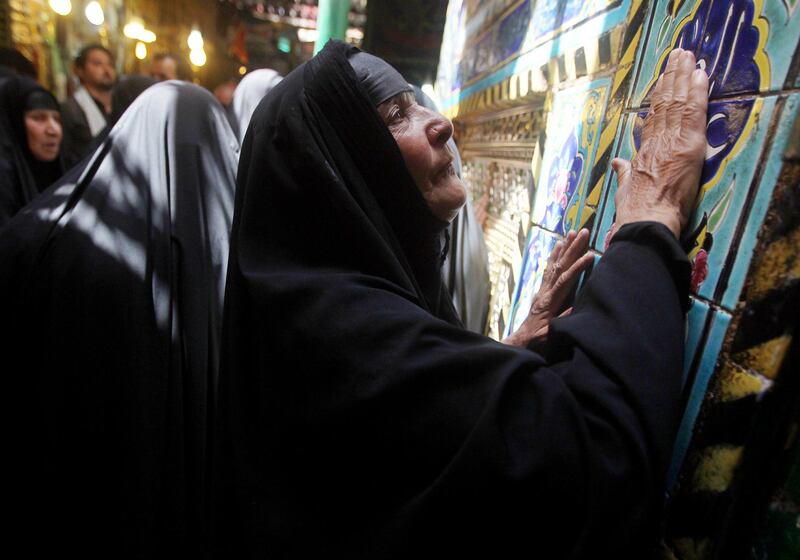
x=359 y=420
x=22 y=176
x=111 y=287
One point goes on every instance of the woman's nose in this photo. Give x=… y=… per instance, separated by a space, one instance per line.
x=52 y=127
x=440 y=129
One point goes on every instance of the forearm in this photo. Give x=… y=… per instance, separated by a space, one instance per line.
x=629 y=324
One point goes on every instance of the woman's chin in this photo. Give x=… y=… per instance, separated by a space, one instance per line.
x=446 y=209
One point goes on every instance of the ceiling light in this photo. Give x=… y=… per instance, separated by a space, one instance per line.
x=94 y=13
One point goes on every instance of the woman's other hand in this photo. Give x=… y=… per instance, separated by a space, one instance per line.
x=569 y=258
x=662 y=181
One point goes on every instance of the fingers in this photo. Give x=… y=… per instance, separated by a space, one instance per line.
x=578 y=244
x=622 y=167
x=567 y=279
x=554 y=265
x=694 y=113
x=573 y=261
x=680 y=93
x=662 y=96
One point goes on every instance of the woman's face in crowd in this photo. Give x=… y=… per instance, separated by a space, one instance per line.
x=43 y=128
x=422 y=136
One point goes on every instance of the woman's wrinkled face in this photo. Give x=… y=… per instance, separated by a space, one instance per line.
x=422 y=136
x=43 y=129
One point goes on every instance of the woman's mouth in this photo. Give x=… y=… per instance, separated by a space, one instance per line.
x=446 y=171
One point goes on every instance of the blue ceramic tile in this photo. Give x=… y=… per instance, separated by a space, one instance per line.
x=523 y=28
x=763 y=196
x=512 y=29
x=573 y=130
x=710 y=351
x=725 y=184
x=695 y=323
x=538 y=248
x=451 y=53
x=745 y=46
x=487 y=59
x=736 y=134
x=625 y=149
x=584 y=277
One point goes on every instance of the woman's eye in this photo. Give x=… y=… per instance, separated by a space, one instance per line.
x=395 y=114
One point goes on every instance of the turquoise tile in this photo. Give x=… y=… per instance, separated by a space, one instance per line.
x=763 y=196
x=669 y=20
x=573 y=131
x=725 y=186
x=736 y=135
x=539 y=245
x=486 y=59
x=746 y=46
x=584 y=277
x=697 y=391
x=625 y=149
x=695 y=324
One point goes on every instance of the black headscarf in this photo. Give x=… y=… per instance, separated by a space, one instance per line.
x=359 y=420
x=22 y=176
x=112 y=284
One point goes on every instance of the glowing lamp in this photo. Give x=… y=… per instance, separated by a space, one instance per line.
x=134 y=29
x=140 y=51
x=61 y=7
x=147 y=36
x=94 y=13
x=195 y=40
x=197 y=57
x=307 y=35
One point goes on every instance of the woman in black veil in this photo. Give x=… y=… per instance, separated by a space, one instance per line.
x=112 y=284
x=359 y=419
x=30 y=143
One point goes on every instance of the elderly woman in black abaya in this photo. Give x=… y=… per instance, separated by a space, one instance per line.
x=112 y=284
x=30 y=126
x=360 y=420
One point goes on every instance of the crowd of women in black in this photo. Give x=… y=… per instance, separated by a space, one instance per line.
x=232 y=344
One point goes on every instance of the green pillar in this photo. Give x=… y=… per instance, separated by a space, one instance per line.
x=331 y=21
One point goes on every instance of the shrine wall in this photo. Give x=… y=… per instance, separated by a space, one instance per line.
x=543 y=95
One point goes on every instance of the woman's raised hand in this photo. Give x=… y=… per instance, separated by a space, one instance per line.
x=569 y=258
x=662 y=181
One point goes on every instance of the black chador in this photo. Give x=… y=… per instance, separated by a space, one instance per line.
x=111 y=287
x=360 y=420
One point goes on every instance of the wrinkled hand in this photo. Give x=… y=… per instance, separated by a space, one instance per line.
x=662 y=181
x=569 y=258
